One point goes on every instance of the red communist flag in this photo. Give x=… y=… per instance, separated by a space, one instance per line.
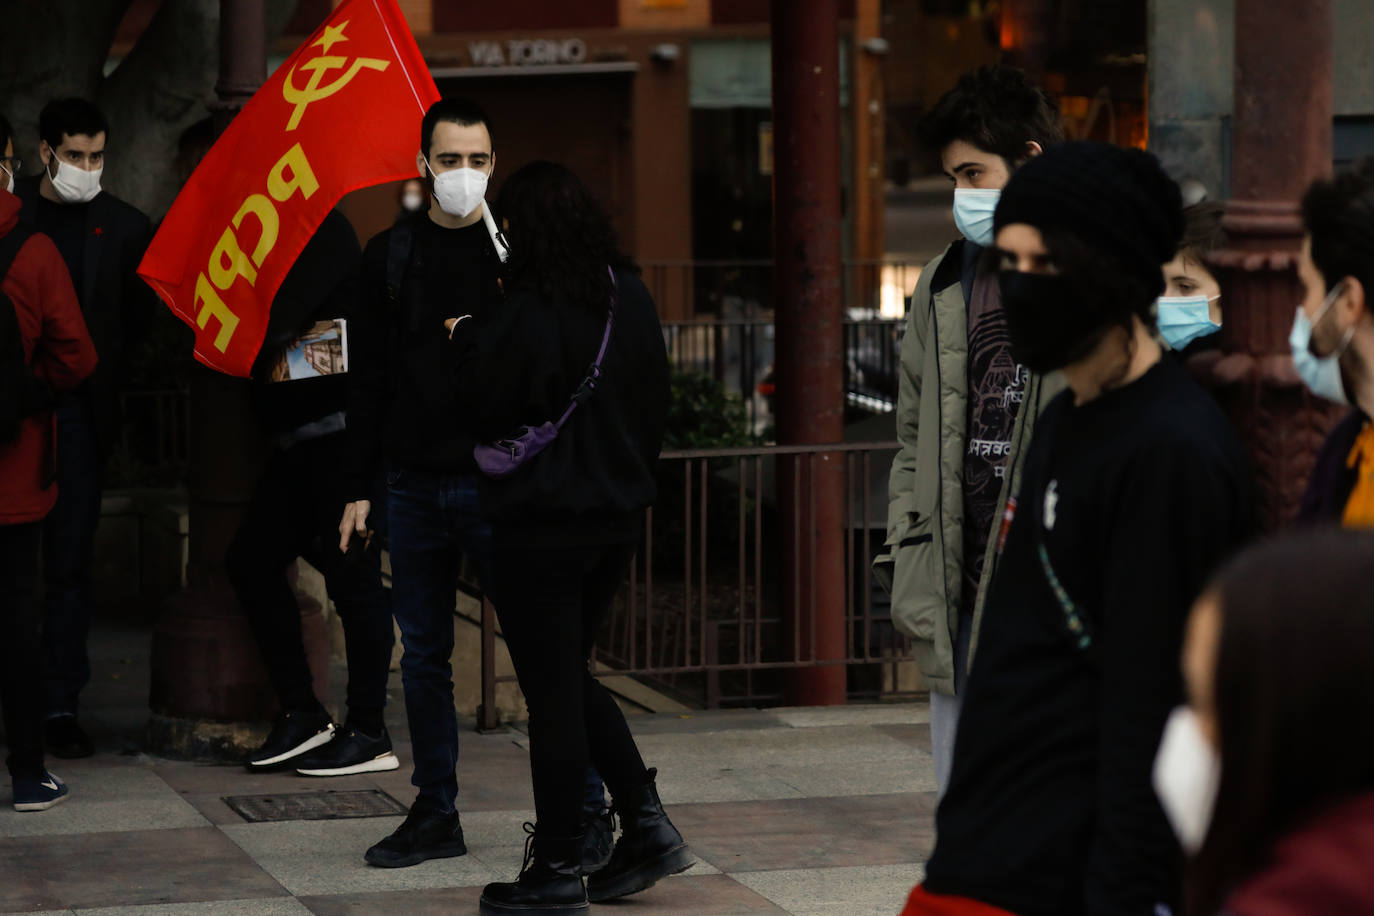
x=342 y=113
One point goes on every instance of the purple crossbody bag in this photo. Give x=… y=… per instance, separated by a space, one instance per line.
x=504 y=457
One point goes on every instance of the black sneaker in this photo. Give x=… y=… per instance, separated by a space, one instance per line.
x=424 y=834
x=294 y=733
x=39 y=793
x=351 y=751
x=65 y=738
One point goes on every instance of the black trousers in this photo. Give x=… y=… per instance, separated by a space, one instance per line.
x=551 y=603
x=295 y=512
x=21 y=649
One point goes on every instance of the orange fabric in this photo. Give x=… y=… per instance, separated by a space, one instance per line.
x=1359 y=508
x=342 y=113
x=923 y=903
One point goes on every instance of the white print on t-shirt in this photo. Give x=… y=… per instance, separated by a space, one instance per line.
x=1051 y=504
x=989 y=448
x=1015 y=393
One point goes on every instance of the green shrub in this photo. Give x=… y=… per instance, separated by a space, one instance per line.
x=703 y=414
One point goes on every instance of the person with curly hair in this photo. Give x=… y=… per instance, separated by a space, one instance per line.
x=566 y=524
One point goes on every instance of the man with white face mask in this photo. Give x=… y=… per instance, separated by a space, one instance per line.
x=403 y=418
x=961 y=393
x=1333 y=341
x=101 y=239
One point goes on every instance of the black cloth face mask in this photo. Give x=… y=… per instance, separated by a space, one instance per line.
x=1049 y=322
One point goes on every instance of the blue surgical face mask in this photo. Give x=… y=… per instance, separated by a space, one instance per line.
x=1322 y=374
x=1183 y=319
x=973 y=209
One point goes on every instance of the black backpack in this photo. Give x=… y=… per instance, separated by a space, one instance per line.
x=20 y=393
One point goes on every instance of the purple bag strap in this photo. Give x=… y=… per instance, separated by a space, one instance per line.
x=588 y=386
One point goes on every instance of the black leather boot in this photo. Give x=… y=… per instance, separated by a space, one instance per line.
x=649 y=847
x=550 y=881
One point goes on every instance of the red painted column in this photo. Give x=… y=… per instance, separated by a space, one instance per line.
x=807 y=286
x=1281 y=142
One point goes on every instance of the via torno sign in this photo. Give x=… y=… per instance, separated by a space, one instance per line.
x=523 y=52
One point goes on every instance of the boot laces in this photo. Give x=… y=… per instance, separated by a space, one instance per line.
x=529 y=829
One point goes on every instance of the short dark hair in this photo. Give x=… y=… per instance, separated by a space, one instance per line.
x=1338 y=213
x=1294 y=696
x=1203 y=232
x=995 y=108
x=70 y=116
x=460 y=111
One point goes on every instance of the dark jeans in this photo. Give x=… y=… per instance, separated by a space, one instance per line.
x=551 y=603
x=295 y=512
x=68 y=545
x=21 y=645
x=433 y=521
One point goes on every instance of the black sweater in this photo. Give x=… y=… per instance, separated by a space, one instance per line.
x=1136 y=497
x=404 y=403
x=1333 y=479
x=522 y=364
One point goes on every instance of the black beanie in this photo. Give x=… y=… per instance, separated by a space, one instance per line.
x=1116 y=201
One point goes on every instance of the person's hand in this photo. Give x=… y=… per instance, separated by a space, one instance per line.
x=354 y=522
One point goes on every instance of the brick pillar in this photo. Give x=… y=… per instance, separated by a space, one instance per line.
x=1281 y=142
x=209 y=688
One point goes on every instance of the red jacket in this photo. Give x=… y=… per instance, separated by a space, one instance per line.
x=59 y=350
x=1324 y=867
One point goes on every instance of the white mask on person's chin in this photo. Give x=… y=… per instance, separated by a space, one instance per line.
x=74 y=185
x=1187 y=772
x=413 y=201
x=9 y=186
x=459 y=191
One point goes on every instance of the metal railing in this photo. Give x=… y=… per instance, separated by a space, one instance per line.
x=739 y=353
x=703 y=618
x=744 y=288
x=155 y=440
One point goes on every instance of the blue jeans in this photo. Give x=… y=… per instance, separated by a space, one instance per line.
x=68 y=553
x=434 y=520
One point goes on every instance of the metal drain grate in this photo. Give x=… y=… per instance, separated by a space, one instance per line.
x=315 y=806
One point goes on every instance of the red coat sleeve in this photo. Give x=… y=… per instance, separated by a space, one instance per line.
x=64 y=355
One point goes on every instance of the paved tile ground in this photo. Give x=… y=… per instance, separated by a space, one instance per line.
x=802 y=811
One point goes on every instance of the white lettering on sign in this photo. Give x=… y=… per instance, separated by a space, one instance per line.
x=486 y=54
x=521 y=52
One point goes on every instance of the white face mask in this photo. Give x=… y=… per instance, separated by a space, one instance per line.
x=459 y=191
x=1186 y=776
x=413 y=201
x=10 y=176
x=74 y=185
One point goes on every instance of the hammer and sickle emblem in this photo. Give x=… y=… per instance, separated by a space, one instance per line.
x=318 y=67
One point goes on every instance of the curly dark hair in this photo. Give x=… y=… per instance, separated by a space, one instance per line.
x=997 y=109
x=561 y=239
x=1338 y=214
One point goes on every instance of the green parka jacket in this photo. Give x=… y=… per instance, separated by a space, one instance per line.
x=922 y=564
